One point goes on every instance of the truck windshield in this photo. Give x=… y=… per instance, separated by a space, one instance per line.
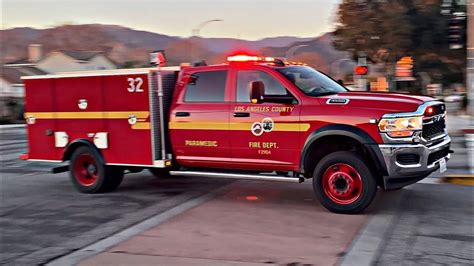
x=310 y=81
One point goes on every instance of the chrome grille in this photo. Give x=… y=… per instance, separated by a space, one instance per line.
x=434 y=125
x=433 y=130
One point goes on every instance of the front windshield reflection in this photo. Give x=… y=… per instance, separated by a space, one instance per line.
x=310 y=81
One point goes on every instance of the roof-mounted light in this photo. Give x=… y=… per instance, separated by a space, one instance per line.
x=243 y=58
x=249 y=58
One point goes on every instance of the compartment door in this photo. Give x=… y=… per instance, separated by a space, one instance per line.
x=39 y=107
x=127 y=116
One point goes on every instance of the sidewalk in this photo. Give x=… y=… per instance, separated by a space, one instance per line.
x=255 y=223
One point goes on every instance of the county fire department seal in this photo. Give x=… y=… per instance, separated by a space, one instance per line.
x=265 y=126
x=257 y=129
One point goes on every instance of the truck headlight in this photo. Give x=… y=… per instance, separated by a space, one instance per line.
x=401 y=127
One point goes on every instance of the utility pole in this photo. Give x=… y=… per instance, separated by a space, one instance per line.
x=470 y=59
x=291 y=52
x=195 y=33
x=469 y=133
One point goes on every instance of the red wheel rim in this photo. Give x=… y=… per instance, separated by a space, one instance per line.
x=342 y=183
x=85 y=169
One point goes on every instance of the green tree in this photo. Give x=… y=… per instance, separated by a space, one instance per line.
x=386 y=30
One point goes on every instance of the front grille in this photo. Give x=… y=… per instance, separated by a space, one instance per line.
x=408 y=158
x=433 y=157
x=433 y=129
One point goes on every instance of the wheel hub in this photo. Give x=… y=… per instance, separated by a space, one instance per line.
x=85 y=170
x=91 y=169
x=342 y=183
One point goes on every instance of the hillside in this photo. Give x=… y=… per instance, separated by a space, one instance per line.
x=130 y=47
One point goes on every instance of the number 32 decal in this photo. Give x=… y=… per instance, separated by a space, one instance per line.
x=135 y=84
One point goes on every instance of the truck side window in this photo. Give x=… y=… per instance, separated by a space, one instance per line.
x=208 y=86
x=245 y=79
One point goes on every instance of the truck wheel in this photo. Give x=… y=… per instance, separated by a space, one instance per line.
x=89 y=175
x=160 y=172
x=343 y=183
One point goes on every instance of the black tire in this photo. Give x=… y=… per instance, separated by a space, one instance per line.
x=160 y=172
x=89 y=174
x=349 y=186
x=116 y=177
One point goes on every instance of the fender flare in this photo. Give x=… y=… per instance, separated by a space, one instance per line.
x=348 y=131
x=71 y=147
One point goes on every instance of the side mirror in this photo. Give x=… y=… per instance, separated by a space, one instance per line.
x=257 y=90
x=257 y=95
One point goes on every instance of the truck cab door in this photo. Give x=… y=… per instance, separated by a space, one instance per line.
x=199 y=120
x=266 y=135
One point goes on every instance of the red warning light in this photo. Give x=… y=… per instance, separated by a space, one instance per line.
x=429 y=110
x=361 y=70
x=249 y=58
x=158 y=57
x=251 y=198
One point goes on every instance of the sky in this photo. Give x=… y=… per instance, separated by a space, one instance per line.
x=244 y=19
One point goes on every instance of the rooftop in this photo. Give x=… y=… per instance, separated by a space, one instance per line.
x=81 y=55
x=13 y=75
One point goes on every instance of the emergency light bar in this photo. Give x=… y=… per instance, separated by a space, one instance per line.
x=241 y=58
x=249 y=58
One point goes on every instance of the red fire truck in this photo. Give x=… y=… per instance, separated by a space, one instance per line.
x=249 y=118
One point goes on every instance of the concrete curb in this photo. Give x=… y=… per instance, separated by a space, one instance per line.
x=12 y=126
x=104 y=244
x=364 y=249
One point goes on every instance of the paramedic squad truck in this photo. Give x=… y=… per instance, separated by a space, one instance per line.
x=254 y=118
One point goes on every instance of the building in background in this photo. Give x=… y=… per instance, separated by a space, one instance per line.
x=63 y=60
x=12 y=91
x=11 y=85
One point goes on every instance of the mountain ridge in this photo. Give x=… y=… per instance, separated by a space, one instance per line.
x=130 y=47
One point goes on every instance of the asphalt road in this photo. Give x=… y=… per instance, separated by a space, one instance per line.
x=432 y=225
x=42 y=217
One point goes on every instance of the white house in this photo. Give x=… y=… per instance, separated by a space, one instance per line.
x=11 y=85
x=12 y=90
x=67 y=61
x=63 y=60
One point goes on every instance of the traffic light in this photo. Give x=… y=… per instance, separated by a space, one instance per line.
x=457 y=29
x=361 y=70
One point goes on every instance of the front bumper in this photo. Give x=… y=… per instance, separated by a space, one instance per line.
x=400 y=174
